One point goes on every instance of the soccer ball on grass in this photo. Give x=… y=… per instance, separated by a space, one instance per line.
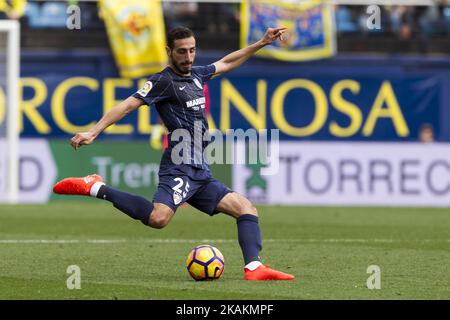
x=205 y=262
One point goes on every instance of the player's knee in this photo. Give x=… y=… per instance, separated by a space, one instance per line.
x=158 y=223
x=245 y=206
x=158 y=220
x=248 y=207
x=237 y=205
x=253 y=210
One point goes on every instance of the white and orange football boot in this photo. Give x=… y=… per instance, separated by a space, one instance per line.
x=264 y=272
x=77 y=186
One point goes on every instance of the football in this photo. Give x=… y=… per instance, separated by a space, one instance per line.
x=205 y=262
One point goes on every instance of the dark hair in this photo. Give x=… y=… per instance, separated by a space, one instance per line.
x=178 y=33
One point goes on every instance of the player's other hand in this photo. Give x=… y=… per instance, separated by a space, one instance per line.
x=273 y=34
x=81 y=139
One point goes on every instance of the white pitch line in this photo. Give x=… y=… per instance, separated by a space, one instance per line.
x=115 y=241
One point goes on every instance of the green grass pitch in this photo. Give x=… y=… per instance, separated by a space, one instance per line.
x=328 y=249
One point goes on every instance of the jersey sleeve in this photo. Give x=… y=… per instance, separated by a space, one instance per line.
x=205 y=72
x=154 y=90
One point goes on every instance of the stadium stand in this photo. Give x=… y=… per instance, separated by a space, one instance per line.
x=408 y=29
x=53 y=15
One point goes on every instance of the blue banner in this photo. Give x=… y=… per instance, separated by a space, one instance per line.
x=341 y=102
x=330 y=108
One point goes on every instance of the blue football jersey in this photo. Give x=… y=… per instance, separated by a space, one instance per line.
x=180 y=102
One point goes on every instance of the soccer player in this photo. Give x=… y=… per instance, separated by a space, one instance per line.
x=177 y=93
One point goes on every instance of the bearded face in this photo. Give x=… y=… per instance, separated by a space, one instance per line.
x=182 y=56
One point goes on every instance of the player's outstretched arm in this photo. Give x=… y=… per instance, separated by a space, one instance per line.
x=236 y=58
x=112 y=116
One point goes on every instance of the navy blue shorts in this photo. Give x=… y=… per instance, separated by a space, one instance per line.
x=183 y=183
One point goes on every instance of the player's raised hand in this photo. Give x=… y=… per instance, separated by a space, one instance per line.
x=80 y=139
x=273 y=34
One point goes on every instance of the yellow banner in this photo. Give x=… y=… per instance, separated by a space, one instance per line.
x=137 y=35
x=310 y=25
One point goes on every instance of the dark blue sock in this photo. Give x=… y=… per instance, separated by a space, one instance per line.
x=249 y=237
x=136 y=207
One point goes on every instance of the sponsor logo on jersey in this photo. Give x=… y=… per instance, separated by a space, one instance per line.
x=146 y=89
x=196 y=103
